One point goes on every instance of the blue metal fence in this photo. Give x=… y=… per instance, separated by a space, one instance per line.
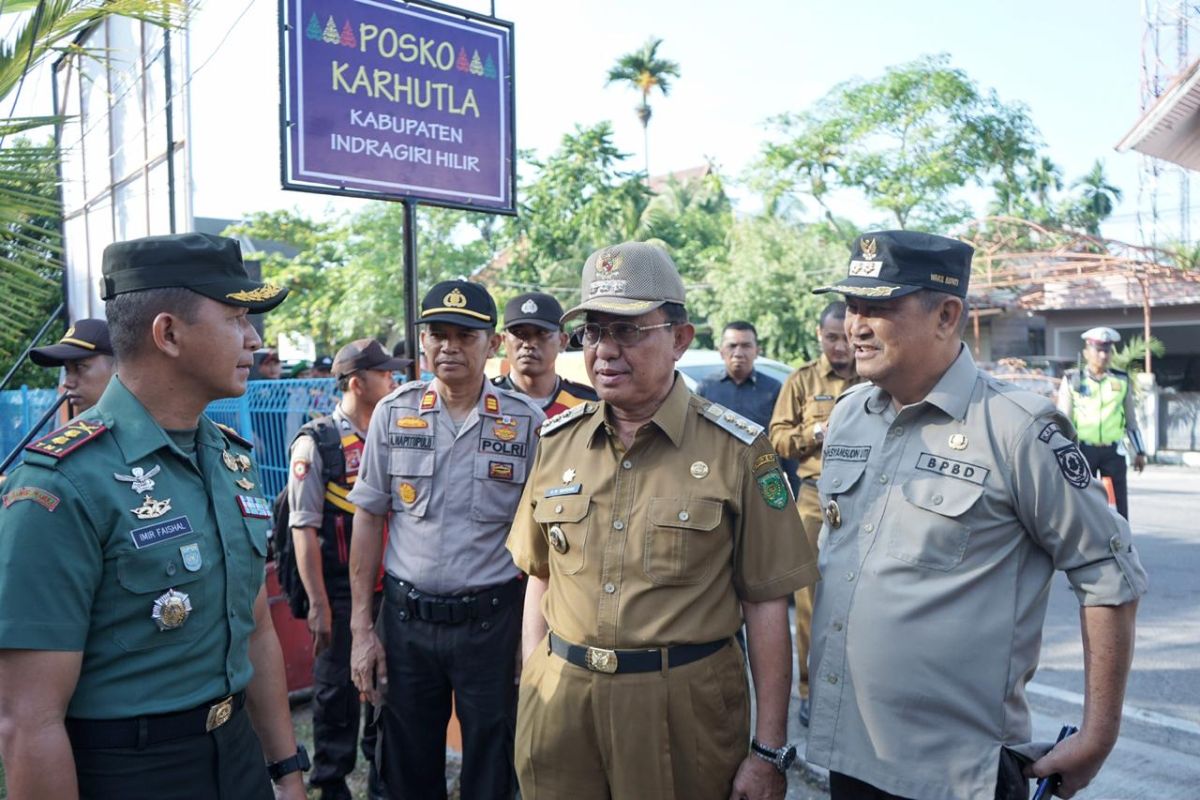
x=19 y=410
x=269 y=414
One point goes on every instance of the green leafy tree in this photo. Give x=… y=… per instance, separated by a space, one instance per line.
x=768 y=277
x=580 y=199
x=645 y=71
x=1096 y=200
x=907 y=142
x=693 y=219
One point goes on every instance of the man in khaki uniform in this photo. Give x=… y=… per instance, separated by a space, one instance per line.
x=653 y=523
x=797 y=432
x=950 y=499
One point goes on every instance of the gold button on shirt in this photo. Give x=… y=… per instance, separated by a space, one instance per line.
x=650 y=549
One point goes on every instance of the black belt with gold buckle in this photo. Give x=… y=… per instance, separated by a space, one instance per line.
x=92 y=734
x=599 y=659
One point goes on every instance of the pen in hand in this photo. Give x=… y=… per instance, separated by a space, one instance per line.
x=1047 y=785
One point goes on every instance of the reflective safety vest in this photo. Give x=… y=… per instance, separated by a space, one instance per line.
x=1099 y=407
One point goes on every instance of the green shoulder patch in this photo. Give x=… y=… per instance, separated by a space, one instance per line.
x=234 y=436
x=772 y=488
x=67 y=439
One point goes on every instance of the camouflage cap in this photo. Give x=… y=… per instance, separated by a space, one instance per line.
x=206 y=264
x=628 y=279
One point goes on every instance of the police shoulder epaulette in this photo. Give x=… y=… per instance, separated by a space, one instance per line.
x=234 y=436
x=68 y=438
x=732 y=422
x=570 y=415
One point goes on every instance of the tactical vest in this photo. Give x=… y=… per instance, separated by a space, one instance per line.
x=337 y=519
x=1099 y=407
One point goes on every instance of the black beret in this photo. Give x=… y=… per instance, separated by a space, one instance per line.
x=206 y=264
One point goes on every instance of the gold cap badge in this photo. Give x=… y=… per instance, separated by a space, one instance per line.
x=455 y=299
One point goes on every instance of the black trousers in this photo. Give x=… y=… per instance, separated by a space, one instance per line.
x=1104 y=460
x=428 y=664
x=226 y=764
x=1011 y=784
x=336 y=707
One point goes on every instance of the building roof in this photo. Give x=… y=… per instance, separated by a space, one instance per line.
x=1170 y=129
x=1111 y=291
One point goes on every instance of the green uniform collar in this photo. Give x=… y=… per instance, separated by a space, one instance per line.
x=136 y=432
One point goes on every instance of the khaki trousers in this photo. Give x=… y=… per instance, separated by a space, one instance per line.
x=808 y=504
x=675 y=734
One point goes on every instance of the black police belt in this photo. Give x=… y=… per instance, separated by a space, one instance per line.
x=412 y=603
x=92 y=734
x=598 y=659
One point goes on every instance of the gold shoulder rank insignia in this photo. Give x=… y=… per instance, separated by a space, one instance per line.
x=67 y=438
x=741 y=428
x=571 y=414
x=234 y=436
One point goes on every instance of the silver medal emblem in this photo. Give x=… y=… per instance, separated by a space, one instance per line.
x=171 y=610
x=140 y=480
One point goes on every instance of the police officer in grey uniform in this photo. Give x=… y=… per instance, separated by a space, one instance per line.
x=950 y=498
x=137 y=655
x=444 y=466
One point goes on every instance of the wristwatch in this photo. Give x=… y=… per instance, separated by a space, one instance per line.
x=781 y=759
x=297 y=763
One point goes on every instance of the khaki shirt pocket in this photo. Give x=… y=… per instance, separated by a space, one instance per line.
x=411 y=473
x=145 y=576
x=680 y=547
x=565 y=522
x=928 y=531
x=498 y=481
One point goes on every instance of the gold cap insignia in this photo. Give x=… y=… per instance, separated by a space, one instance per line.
x=608 y=263
x=257 y=295
x=869 y=249
x=455 y=299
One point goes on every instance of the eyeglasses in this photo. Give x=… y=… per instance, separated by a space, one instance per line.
x=626 y=334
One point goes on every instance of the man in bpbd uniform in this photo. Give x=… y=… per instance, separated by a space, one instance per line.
x=533 y=338
x=86 y=357
x=137 y=655
x=443 y=468
x=1099 y=402
x=950 y=499
x=322 y=521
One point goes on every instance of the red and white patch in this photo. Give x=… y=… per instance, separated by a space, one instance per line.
x=299 y=470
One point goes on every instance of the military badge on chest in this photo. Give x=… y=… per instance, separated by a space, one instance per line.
x=171 y=610
x=505 y=436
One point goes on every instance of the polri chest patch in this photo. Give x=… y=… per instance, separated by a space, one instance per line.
x=505 y=437
x=953 y=468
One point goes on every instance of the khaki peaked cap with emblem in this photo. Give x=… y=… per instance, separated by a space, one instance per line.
x=628 y=279
x=206 y=264
x=459 y=303
x=887 y=264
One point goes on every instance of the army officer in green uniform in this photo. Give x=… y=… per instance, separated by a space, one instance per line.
x=137 y=655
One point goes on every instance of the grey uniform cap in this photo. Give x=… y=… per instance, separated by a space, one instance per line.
x=628 y=279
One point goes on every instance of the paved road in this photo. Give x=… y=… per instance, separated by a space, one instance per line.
x=1158 y=755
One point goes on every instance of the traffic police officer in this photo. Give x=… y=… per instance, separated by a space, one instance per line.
x=321 y=519
x=533 y=338
x=950 y=499
x=85 y=354
x=1099 y=402
x=797 y=432
x=654 y=522
x=443 y=466
x=134 y=629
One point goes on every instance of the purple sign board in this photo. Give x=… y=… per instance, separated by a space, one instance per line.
x=398 y=100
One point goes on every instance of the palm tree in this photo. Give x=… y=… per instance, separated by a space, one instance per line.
x=1044 y=177
x=644 y=70
x=1099 y=197
x=30 y=244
